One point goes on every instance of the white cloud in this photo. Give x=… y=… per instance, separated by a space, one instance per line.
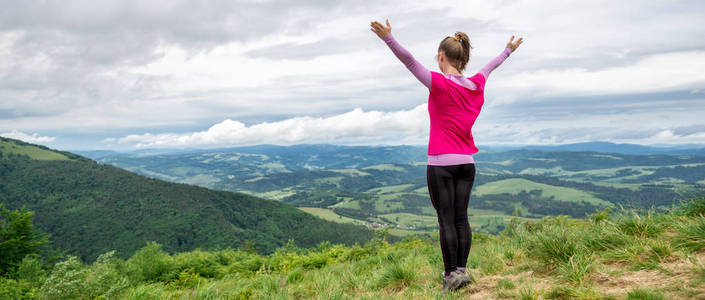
x=410 y=127
x=34 y=138
x=354 y=127
x=660 y=72
x=669 y=137
x=119 y=67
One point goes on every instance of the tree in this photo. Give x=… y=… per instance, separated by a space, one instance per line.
x=17 y=237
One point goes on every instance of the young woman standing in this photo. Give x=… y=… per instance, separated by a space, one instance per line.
x=454 y=102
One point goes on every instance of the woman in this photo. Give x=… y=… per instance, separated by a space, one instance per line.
x=454 y=102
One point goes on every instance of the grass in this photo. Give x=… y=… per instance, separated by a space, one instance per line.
x=610 y=255
x=391 y=189
x=34 y=152
x=329 y=215
x=516 y=185
x=384 y=167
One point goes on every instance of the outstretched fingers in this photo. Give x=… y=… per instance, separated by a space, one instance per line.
x=514 y=44
x=381 y=30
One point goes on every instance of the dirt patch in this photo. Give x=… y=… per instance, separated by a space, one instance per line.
x=485 y=286
x=678 y=274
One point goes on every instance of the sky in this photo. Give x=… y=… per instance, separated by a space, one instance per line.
x=126 y=75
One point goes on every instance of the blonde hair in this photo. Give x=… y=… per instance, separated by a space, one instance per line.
x=456 y=49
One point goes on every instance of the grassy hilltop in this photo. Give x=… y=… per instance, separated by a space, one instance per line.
x=610 y=255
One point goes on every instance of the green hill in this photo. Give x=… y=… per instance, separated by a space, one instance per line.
x=623 y=255
x=89 y=208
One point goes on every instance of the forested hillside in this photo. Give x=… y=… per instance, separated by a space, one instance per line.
x=90 y=208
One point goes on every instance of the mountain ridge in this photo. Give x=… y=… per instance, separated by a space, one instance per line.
x=89 y=207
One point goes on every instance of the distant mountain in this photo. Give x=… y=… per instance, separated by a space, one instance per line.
x=392 y=155
x=606 y=147
x=90 y=208
x=96 y=154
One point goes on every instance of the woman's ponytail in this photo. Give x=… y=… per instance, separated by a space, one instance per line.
x=457 y=49
x=465 y=53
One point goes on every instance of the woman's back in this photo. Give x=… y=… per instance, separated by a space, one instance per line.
x=453 y=110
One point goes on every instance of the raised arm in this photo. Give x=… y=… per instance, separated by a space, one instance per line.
x=416 y=68
x=494 y=63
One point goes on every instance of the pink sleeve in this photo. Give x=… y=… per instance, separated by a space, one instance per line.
x=416 y=68
x=494 y=63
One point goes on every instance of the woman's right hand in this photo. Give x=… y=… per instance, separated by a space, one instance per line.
x=381 y=30
x=514 y=45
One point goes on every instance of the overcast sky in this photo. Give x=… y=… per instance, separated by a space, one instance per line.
x=141 y=74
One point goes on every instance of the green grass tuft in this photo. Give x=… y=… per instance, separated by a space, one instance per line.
x=691 y=235
x=397 y=277
x=644 y=294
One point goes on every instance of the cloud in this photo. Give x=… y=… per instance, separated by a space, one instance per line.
x=34 y=138
x=111 y=68
x=411 y=127
x=354 y=127
x=660 y=72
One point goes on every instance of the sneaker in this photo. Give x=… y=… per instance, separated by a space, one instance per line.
x=465 y=279
x=452 y=282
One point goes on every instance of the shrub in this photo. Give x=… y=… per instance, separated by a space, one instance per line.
x=31 y=270
x=70 y=279
x=151 y=264
x=104 y=277
x=66 y=281
x=17 y=289
x=205 y=264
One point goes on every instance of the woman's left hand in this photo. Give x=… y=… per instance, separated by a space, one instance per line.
x=381 y=30
x=514 y=44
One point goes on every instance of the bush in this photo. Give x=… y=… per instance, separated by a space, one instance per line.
x=17 y=289
x=67 y=280
x=204 y=264
x=71 y=279
x=151 y=264
x=31 y=270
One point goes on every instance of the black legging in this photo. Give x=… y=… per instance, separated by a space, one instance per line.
x=449 y=187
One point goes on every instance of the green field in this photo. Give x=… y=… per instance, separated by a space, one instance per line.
x=407 y=219
x=10 y=147
x=516 y=185
x=329 y=215
x=390 y=189
x=384 y=167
